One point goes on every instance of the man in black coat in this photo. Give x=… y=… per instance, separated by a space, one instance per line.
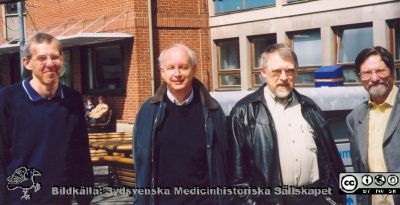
x=180 y=135
x=280 y=139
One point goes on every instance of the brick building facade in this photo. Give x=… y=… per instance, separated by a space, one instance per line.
x=109 y=48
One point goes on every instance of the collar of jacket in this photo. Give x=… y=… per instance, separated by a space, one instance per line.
x=205 y=96
x=258 y=95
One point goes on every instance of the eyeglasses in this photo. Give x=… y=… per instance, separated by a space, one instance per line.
x=43 y=59
x=277 y=73
x=380 y=73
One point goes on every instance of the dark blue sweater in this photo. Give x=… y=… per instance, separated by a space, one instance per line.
x=48 y=135
x=181 y=152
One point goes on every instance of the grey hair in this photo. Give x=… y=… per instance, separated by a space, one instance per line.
x=191 y=54
x=40 y=38
x=284 y=51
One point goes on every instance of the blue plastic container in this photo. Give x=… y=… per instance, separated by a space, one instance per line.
x=330 y=76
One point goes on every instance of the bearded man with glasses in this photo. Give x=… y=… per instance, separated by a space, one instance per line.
x=280 y=138
x=374 y=125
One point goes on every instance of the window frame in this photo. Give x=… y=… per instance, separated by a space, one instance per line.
x=348 y=65
x=337 y=32
x=86 y=74
x=9 y=16
x=221 y=72
x=243 y=4
x=5 y=9
x=393 y=25
x=253 y=69
x=309 y=68
x=297 y=2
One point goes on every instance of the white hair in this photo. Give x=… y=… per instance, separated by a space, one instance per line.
x=191 y=54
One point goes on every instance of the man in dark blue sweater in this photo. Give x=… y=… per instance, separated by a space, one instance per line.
x=180 y=136
x=43 y=135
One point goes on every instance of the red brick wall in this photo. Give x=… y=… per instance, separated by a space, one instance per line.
x=178 y=6
x=139 y=76
x=45 y=13
x=186 y=23
x=174 y=21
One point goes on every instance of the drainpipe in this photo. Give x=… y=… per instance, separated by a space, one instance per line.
x=21 y=34
x=150 y=17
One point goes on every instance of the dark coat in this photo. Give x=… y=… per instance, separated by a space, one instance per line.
x=148 y=120
x=255 y=159
x=357 y=123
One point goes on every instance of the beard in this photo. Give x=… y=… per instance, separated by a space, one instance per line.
x=283 y=93
x=378 y=90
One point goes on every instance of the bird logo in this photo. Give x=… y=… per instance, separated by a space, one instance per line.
x=23 y=178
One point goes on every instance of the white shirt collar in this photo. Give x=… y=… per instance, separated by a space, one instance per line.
x=176 y=102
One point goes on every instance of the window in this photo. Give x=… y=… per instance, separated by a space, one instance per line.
x=350 y=41
x=105 y=69
x=394 y=37
x=11 y=8
x=222 y=6
x=228 y=63
x=258 y=44
x=397 y=47
x=66 y=77
x=308 y=48
x=11 y=21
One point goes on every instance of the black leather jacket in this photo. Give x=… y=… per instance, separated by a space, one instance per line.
x=255 y=160
x=150 y=118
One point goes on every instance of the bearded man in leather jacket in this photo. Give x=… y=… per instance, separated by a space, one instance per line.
x=280 y=138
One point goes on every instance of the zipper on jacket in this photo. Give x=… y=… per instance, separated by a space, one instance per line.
x=155 y=124
x=208 y=144
x=205 y=128
x=208 y=150
x=152 y=152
